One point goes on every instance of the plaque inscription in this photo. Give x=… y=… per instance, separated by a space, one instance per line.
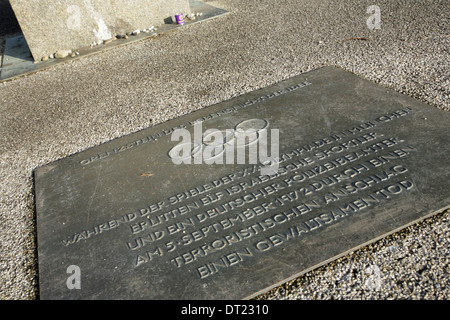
x=356 y=162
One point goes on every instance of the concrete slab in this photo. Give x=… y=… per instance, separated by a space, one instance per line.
x=50 y=25
x=18 y=60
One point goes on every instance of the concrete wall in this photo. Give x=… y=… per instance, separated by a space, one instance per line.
x=51 y=25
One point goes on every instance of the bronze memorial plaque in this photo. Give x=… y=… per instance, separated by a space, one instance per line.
x=232 y=200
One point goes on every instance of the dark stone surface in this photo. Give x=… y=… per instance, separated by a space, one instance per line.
x=357 y=162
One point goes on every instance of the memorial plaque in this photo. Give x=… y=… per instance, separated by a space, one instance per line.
x=355 y=162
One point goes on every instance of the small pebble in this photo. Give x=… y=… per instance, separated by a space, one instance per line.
x=61 y=54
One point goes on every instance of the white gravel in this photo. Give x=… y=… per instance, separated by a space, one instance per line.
x=57 y=112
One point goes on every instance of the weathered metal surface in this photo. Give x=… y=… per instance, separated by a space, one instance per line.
x=356 y=162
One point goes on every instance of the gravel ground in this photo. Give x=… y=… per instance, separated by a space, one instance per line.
x=57 y=112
